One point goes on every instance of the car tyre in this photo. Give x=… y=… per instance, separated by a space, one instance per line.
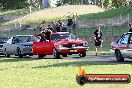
x=82 y=54
x=56 y=54
x=119 y=56
x=81 y=80
x=40 y=55
x=7 y=55
x=19 y=53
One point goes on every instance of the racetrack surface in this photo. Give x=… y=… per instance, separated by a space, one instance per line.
x=89 y=57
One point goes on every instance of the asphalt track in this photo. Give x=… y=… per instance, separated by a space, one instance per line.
x=89 y=57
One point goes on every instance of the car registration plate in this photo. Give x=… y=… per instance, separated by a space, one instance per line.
x=73 y=50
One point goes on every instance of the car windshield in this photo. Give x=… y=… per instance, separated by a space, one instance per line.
x=3 y=40
x=62 y=36
x=23 y=39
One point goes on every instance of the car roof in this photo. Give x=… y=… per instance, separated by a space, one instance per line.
x=24 y=35
x=3 y=37
x=60 y=32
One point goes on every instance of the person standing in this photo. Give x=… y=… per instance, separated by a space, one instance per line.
x=98 y=40
x=56 y=26
x=74 y=24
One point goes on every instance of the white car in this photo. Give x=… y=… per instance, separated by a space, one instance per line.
x=19 y=45
x=123 y=47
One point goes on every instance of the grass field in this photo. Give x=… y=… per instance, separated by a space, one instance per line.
x=46 y=73
x=108 y=14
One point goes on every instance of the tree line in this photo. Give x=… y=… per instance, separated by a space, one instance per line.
x=104 y=3
x=18 y=4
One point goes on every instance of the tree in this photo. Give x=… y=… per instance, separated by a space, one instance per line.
x=118 y=3
x=13 y=4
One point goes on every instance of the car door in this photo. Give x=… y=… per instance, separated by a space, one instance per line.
x=12 y=46
x=123 y=44
x=42 y=47
x=129 y=50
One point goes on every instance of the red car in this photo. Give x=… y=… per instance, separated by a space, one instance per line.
x=61 y=43
x=123 y=47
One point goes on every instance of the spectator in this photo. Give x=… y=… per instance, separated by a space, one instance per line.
x=42 y=36
x=74 y=23
x=56 y=26
x=70 y=22
x=62 y=26
x=98 y=40
x=47 y=34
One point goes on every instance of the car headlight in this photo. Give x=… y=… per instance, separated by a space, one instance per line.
x=60 y=46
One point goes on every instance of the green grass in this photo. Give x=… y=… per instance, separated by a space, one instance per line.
x=81 y=32
x=48 y=73
x=105 y=47
x=107 y=31
x=101 y=15
x=16 y=12
x=108 y=14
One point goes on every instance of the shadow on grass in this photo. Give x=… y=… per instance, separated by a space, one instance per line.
x=17 y=59
x=83 y=63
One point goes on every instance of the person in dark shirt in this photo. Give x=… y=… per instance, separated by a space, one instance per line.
x=56 y=26
x=70 y=21
x=42 y=36
x=48 y=34
x=130 y=27
x=98 y=40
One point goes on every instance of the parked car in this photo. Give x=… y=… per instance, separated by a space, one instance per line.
x=123 y=47
x=61 y=43
x=2 y=41
x=19 y=45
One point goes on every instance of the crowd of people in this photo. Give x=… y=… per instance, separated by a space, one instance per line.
x=60 y=26
x=56 y=26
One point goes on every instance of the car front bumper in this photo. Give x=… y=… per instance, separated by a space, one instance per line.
x=74 y=50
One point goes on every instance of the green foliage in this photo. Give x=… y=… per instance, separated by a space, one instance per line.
x=13 y=4
x=107 y=14
x=118 y=3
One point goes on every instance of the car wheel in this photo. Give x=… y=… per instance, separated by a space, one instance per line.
x=21 y=56
x=82 y=54
x=81 y=80
x=119 y=56
x=19 y=53
x=7 y=55
x=41 y=55
x=56 y=54
x=64 y=55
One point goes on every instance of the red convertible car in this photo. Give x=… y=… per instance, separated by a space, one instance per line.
x=123 y=47
x=60 y=43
